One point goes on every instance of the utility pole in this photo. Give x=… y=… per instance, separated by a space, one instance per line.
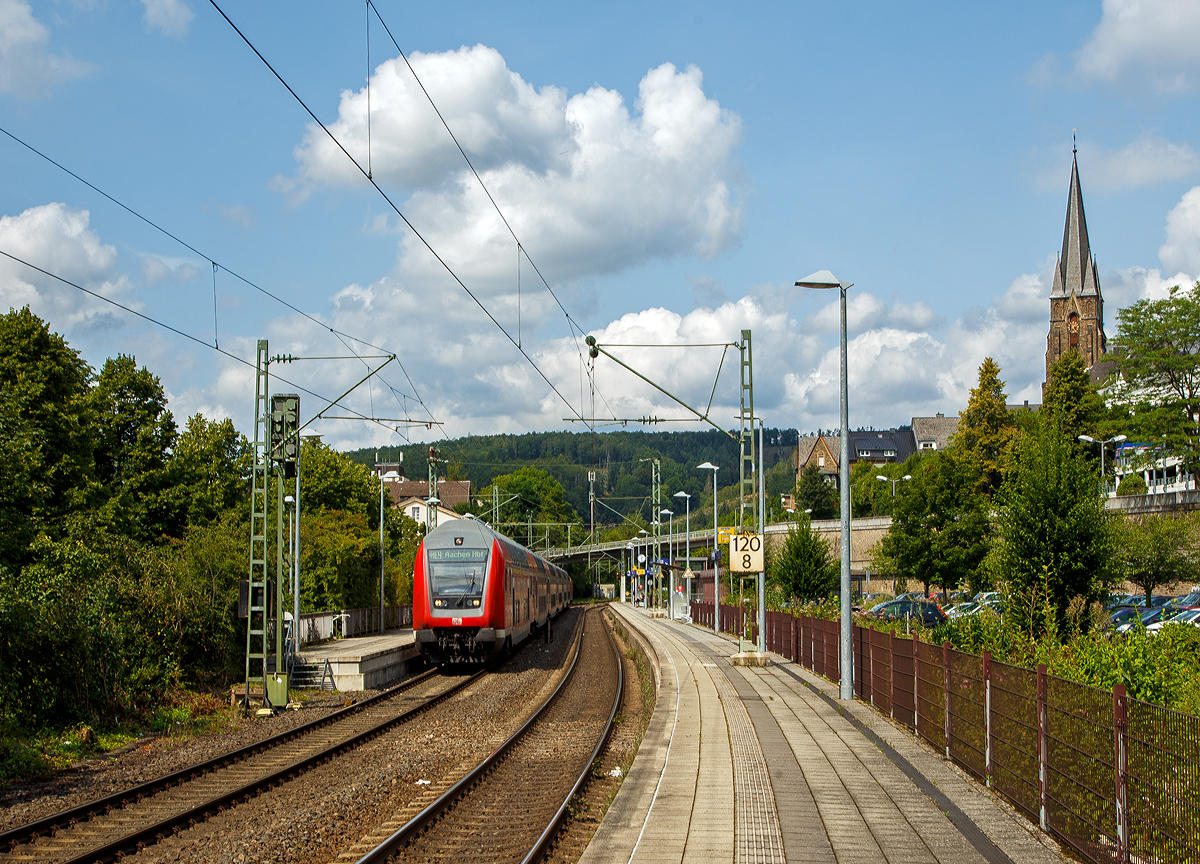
x=434 y=500
x=256 y=600
x=592 y=544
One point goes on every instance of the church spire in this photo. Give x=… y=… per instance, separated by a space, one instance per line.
x=1076 y=305
x=1076 y=270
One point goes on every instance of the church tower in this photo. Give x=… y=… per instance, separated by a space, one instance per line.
x=1076 y=307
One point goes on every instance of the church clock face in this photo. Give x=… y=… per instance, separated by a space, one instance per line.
x=1073 y=325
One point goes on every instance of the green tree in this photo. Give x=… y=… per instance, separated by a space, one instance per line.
x=1071 y=398
x=531 y=495
x=331 y=481
x=46 y=406
x=815 y=493
x=1157 y=551
x=804 y=566
x=940 y=529
x=1132 y=484
x=985 y=427
x=1054 y=544
x=1158 y=344
x=210 y=465
x=134 y=435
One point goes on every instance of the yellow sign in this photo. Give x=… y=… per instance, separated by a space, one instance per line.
x=723 y=534
x=746 y=553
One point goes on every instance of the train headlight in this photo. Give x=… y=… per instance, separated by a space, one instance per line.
x=437 y=602
x=474 y=602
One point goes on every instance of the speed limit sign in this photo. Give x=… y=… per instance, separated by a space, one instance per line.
x=746 y=553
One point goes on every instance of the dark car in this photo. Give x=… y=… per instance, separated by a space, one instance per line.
x=925 y=611
x=1124 y=615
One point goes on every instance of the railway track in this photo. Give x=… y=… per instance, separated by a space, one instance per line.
x=109 y=828
x=510 y=806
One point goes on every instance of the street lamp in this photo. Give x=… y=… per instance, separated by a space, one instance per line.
x=687 y=569
x=708 y=466
x=670 y=514
x=628 y=570
x=823 y=279
x=290 y=503
x=388 y=477
x=893 y=482
x=1114 y=440
x=643 y=536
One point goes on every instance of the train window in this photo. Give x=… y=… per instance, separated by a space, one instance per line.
x=456 y=577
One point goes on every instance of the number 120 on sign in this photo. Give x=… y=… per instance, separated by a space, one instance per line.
x=746 y=553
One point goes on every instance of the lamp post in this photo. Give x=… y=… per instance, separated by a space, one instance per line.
x=628 y=569
x=383 y=478
x=823 y=279
x=643 y=538
x=687 y=567
x=893 y=482
x=1114 y=440
x=290 y=503
x=708 y=466
x=670 y=561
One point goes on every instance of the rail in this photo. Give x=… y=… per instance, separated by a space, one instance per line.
x=1114 y=778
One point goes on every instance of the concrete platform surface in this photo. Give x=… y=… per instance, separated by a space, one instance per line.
x=754 y=764
x=365 y=662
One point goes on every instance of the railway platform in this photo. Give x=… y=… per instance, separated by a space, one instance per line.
x=365 y=662
x=764 y=764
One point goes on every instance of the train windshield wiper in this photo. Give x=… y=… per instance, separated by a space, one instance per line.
x=462 y=598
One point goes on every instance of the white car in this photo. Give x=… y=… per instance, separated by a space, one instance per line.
x=1187 y=616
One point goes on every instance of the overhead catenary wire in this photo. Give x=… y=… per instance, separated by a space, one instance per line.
x=197 y=340
x=421 y=237
x=340 y=335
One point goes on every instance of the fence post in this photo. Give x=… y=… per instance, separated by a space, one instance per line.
x=1043 y=741
x=1121 y=774
x=946 y=691
x=987 y=716
x=892 y=674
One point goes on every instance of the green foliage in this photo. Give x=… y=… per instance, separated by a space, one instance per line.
x=332 y=481
x=804 y=566
x=530 y=495
x=1054 y=544
x=339 y=561
x=985 y=427
x=1071 y=398
x=940 y=529
x=1157 y=550
x=816 y=493
x=1160 y=365
x=211 y=465
x=1132 y=484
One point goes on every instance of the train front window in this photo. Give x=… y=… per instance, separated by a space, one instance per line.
x=456 y=577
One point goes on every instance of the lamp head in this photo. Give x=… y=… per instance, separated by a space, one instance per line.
x=881 y=477
x=707 y=466
x=1088 y=438
x=682 y=495
x=906 y=477
x=1120 y=438
x=822 y=279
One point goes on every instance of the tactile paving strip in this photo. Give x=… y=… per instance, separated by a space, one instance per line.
x=757 y=834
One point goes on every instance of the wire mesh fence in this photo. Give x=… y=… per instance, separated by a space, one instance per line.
x=1114 y=778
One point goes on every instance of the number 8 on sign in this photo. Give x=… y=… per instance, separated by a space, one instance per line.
x=746 y=553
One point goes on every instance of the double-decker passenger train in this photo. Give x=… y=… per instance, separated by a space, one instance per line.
x=476 y=592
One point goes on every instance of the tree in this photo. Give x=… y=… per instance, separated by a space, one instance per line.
x=1132 y=484
x=531 y=495
x=210 y=465
x=1158 y=345
x=134 y=436
x=45 y=383
x=331 y=481
x=940 y=529
x=985 y=427
x=1157 y=551
x=804 y=567
x=1054 y=544
x=1071 y=398
x=816 y=493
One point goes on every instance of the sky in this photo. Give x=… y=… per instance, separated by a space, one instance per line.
x=649 y=174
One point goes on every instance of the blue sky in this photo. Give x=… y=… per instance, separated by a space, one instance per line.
x=670 y=168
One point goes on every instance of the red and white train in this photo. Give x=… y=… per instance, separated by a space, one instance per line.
x=476 y=592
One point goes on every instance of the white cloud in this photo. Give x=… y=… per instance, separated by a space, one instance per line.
x=865 y=311
x=1146 y=161
x=170 y=17
x=1181 y=251
x=159 y=268
x=26 y=69
x=1144 y=43
x=59 y=240
x=593 y=188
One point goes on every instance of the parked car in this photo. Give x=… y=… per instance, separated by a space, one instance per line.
x=988 y=597
x=1190 y=600
x=1116 y=601
x=1187 y=616
x=961 y=610
x=1122 y=616
x=1148 y=617
x=925 y=611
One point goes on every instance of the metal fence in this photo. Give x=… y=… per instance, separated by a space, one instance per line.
x=1116 y=779
x=321 y=626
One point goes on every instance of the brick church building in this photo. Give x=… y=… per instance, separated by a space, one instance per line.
x=1076 y=304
